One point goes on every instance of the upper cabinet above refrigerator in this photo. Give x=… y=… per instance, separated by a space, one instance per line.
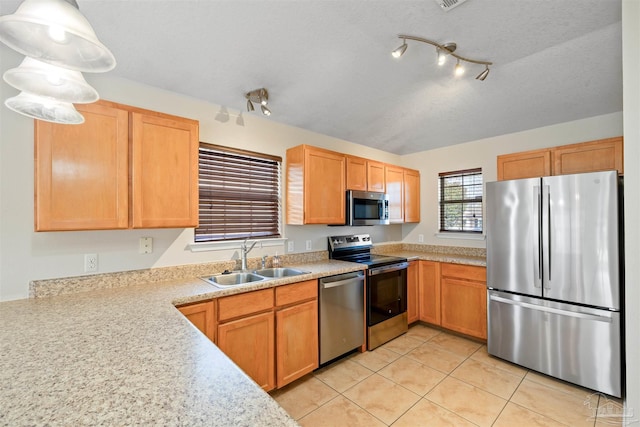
x=592 y=156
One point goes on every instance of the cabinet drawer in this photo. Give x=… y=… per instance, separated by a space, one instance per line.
x=296 y=292
x=244 y=304
x=468 y=272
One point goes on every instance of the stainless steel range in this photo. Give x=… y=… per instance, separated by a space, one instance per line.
x=386 y=286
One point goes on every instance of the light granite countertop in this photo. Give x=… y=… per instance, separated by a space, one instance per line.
x=441 y=257
x=125 y=356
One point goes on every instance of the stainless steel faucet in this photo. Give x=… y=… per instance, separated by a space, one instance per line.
x=244 y=250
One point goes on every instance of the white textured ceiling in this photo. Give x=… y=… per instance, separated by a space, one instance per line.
x=328 y=68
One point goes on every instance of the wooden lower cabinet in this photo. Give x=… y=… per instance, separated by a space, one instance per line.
x=202 y=315
x=271 y=334
x=250 y=343
x=429 y=291
x=463 y=299
x=413 y=311
x=296 y=341
x=296 y=331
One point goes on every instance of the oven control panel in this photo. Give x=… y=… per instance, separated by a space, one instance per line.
x=349 y=241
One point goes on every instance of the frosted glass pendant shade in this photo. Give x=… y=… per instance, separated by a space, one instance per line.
x=42 y=108
x=43 y=79
x=54 y=31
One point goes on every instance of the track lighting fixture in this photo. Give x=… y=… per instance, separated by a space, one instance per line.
x=259 y=96
x=443 y=51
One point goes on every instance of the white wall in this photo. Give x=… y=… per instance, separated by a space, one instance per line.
x=482 y=154
x=26 y=255
x=631 y=83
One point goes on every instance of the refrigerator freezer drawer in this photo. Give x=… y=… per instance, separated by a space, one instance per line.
x=576 y=344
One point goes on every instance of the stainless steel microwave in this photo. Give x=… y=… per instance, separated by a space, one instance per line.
x=367 y=208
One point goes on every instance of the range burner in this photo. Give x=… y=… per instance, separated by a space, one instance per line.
x=357 y=248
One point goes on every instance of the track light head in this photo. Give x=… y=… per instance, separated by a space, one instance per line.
x=250 y=105
x=399 y=51
x=459 y=70
x=445 y=51
x=258 y=96
x=265 y=110
x=483 y=75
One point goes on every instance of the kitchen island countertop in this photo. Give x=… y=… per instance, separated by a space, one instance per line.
x=125 y=356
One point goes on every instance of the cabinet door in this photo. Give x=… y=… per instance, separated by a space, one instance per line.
x=324 y=187
x=464 y=302
x=165 y=171
x=593 y=156
x=202 y=315
x=528 y=164
x=356 y=173
x=297 y=341
x=81 y=171
x=429 y=291
x=249 y=342
x=395 y=190
x=375 y=176
x=413 y=311
x=411 y=195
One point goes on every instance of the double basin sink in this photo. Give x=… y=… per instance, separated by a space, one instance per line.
x=241 y=278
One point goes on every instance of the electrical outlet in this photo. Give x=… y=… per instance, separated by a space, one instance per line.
x=308 y=245
x=290 y=246
x=420 y=238
x=90 y=263
x=146 y=245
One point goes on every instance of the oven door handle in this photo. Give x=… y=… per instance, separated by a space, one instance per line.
x=388 y=268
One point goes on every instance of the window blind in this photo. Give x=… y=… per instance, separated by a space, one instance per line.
x=461 y=201
x=239 y=194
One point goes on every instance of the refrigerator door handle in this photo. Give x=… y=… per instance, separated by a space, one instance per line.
x=547 y=249
x=537 y=254
x=551 y=309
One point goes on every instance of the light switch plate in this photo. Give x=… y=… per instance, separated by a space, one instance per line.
x=420 y=238
x=308 y=245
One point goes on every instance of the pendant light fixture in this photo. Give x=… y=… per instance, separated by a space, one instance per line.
x=59 y=44
x=44 y=108
x=259 y=96
x=55 y=32
x=43 y=79
x=442 y=51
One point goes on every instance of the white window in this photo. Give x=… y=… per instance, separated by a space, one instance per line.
x=461 y=201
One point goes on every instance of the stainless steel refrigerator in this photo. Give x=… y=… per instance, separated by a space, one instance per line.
x=554 y=276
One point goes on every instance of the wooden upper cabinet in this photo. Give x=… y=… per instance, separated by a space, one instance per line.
x=395 y=190
x=528 y=164
x=593 y=156
x=164 y=171
x=376 y=176
x=81 y=171
x=356 y=173
x=123 y=167
x=411 y=195
x=316 y=189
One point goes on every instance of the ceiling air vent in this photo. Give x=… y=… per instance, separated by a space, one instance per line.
x=447 y=5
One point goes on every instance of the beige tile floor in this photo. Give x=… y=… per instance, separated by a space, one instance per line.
x=432 y=378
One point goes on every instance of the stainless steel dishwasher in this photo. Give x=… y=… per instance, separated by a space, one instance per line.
x=341 y=314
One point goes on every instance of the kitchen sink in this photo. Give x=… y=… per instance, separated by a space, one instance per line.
x=280 y=272
x=231 y=279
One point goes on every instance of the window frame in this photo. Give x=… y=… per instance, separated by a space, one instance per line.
x=442 y=203
x=223 y=235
